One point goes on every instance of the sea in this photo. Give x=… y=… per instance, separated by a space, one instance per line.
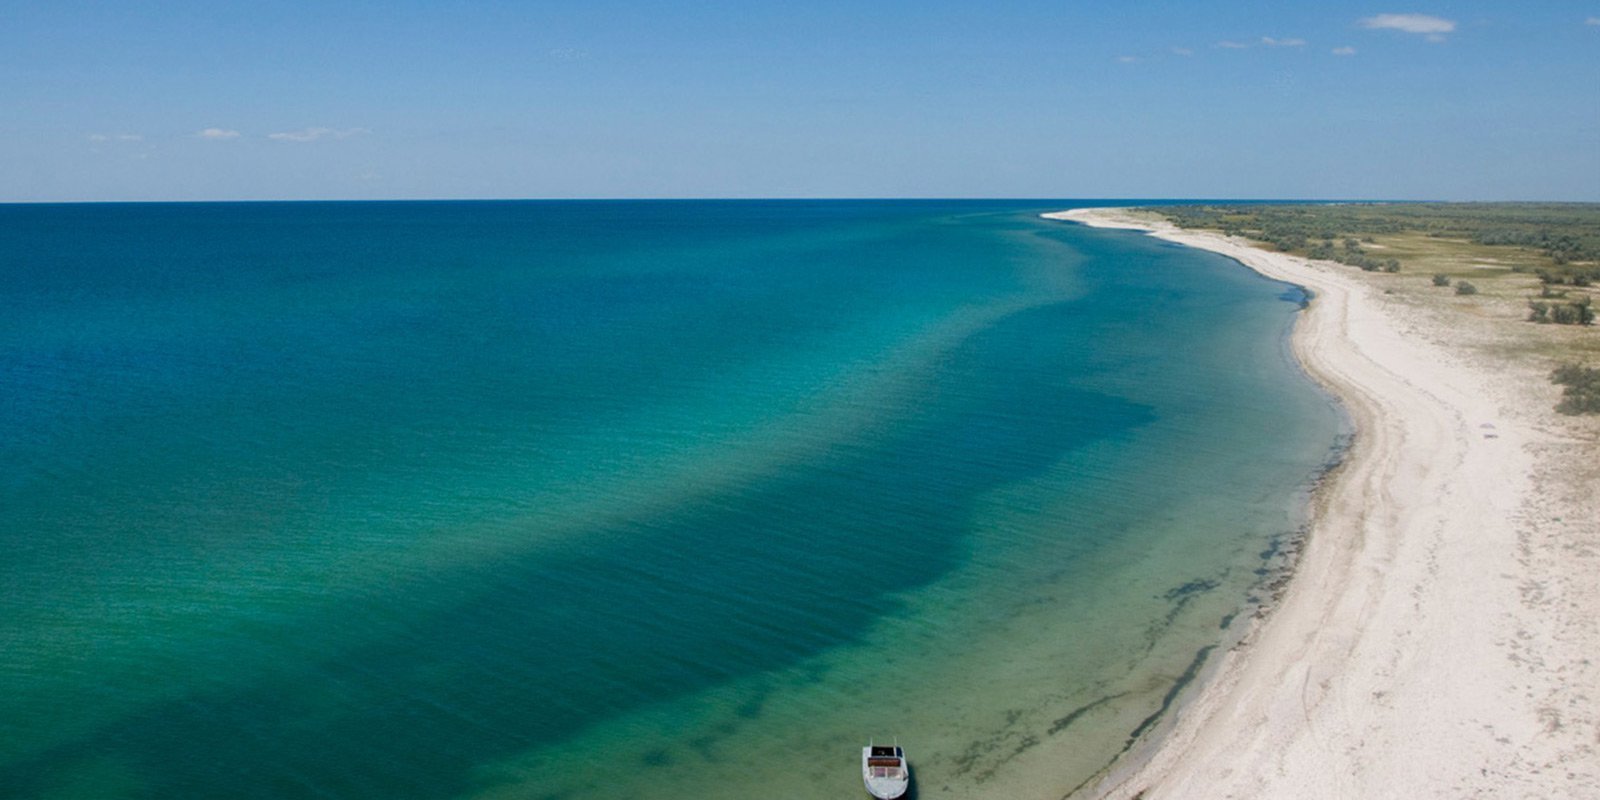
x=565 y=500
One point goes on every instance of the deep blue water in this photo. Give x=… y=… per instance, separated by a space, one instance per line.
x=451 y=499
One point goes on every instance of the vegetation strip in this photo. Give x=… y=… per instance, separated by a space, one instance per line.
x=1514 y=262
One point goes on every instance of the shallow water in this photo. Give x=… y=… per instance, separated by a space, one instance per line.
x=619 y=499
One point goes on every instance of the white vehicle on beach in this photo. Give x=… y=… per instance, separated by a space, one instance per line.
x=885 y=771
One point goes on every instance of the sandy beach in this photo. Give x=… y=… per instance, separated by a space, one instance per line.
x=1441 y=633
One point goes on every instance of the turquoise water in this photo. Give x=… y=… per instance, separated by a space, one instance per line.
x=619 y=499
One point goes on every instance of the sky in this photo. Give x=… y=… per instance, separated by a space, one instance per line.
x=226 y=100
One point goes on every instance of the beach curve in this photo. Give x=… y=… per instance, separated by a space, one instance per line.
x=1435 y=637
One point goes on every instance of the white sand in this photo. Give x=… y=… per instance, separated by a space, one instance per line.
x=1441 y=636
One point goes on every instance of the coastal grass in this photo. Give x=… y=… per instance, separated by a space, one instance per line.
x=1418 y=252
x=1522 y=273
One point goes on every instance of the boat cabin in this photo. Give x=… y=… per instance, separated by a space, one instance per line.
x=887 y=762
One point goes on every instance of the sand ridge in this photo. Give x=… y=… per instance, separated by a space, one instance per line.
x=1440 y=634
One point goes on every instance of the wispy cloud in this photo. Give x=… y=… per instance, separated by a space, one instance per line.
x=313 y=134
x=1434 y=28
x=1344 y=51
x=1592 y=21
x=1182 y=51
x=1226 y=45
x=217 y=133
x=1271 y=42
x=115 y=137
x=1127 y=59
x=568 y=54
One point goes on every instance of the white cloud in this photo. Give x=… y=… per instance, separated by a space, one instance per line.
x=1592 y=21
x=313 y=134
x=1434 y=28
x=1344 y=51
x=1182 y=51
x=307 y=135
x=217 y=133
x=1232 y=45
x=1271 y=42
x=1127 y=60
x=568 y=54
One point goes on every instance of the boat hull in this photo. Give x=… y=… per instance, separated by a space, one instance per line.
x=885 y=772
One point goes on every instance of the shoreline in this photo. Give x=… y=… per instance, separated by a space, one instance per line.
x=1435 y=636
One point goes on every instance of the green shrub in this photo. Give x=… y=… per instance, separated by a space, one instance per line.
x=1577 y=312
x=1585 y=311
x=1581 y=392
x=1441 y=280
x=1462 y=287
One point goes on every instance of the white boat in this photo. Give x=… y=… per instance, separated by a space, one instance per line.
x=885 y=771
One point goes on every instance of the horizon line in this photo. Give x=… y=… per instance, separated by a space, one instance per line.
x=1132 y=201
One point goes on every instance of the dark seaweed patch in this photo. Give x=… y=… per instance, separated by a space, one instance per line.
x=1193 y=587
x=1063 y=723
x=1184 y=680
